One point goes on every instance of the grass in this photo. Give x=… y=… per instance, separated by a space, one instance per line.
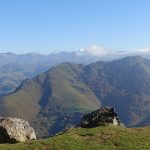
x=100 y=138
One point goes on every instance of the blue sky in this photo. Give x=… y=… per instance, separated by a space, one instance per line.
x=57 y=25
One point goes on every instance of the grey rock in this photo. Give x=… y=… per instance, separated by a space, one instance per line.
x=103 y=116
x=14 y=130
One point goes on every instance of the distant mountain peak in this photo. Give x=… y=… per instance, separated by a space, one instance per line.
x=34 y=54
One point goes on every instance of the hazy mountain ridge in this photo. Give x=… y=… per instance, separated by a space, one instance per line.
x=15 y=68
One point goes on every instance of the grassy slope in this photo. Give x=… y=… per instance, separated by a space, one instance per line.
x=51 y=101
x=71 y=92
x=104 y=138
x=23 y=104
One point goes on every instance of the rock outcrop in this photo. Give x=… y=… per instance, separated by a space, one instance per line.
x=14 y=130
x=102 y=116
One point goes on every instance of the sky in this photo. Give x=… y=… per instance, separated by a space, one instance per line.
x=46 y=26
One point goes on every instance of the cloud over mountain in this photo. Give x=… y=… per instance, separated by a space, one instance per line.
x=96 y=50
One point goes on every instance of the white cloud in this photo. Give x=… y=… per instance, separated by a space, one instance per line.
x=103 y=52
x=143 y=50
x=95 y=50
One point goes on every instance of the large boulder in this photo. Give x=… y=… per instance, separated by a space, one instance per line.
x=14 y=130
x=103 y=116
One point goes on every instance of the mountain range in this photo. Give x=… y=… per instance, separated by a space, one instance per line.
x=57 y=98
x=16 y=68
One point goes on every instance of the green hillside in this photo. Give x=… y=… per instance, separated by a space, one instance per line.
x=51 y=101
x=100 y=138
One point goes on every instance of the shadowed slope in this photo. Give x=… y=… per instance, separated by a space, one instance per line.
x=124 y=84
